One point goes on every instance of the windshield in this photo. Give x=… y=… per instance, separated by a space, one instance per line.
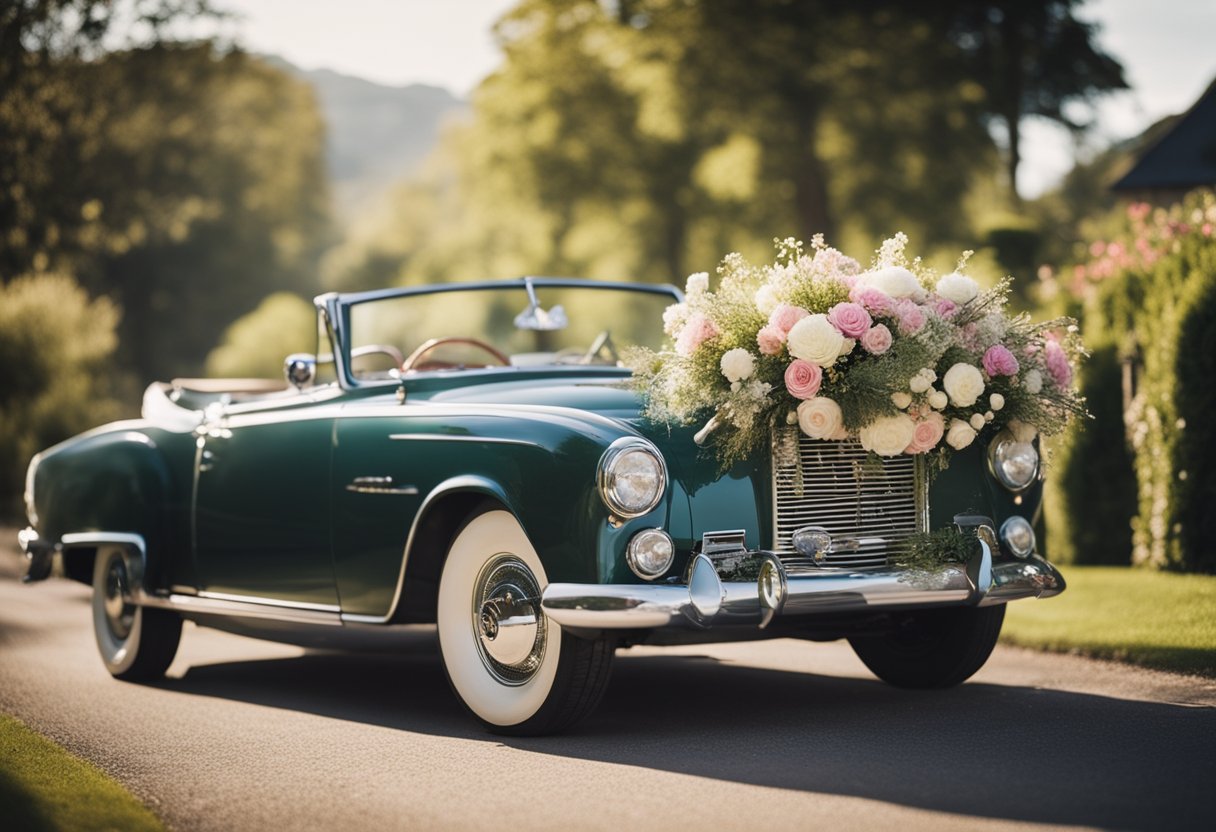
x=508 y=326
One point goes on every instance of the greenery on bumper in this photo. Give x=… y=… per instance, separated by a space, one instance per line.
x=930 y=550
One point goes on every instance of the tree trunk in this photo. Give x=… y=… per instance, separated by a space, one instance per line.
x=810 y=179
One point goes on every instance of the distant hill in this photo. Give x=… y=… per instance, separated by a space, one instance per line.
x=377 y=133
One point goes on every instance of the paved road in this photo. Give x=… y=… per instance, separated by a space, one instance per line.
x=772 y=735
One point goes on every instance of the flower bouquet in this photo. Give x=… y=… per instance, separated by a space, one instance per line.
x=895 y=356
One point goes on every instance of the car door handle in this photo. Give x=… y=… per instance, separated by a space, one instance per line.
x=378 y=485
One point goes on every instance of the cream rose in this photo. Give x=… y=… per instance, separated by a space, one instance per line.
x=820 y=418
x=895 y=281
x=814 y=339
x=958 y=288
x=888 y=436
x=901 y=400
x=960 y=434
x=964 y=384
x=1021 y=431
x=938 y=400
x=737 y=364
x=996 y=401
x=977 y=421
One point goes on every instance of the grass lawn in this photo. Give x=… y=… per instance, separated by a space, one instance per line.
x=43 y=787
x=1154 y=619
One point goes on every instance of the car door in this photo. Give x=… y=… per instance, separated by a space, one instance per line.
x=262 y=507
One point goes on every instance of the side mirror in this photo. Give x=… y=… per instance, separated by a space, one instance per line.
x=300 y=369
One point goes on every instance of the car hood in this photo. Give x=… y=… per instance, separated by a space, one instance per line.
x=612 y=398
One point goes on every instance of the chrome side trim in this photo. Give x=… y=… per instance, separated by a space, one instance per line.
x=378 y=485
x=446 y=437
x=267 y=602
x=200 y=605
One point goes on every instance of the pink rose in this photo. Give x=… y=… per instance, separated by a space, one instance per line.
x=1057 y=365
x=802 y=379
x=770 y=340
x=946 y=308
x=850 y=319
x=876 y=340
x=927 y=434
x=874 y=300
x=785 y=316
x=696 y=332
x=911 y=317
x=999 y=361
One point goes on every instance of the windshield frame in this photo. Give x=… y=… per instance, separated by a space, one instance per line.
x=336 y=308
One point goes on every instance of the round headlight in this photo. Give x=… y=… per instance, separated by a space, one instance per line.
x=1014 y=463
x=632 y=477
x=1018 y=535
x=650 y=553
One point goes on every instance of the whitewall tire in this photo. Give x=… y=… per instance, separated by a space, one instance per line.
x=136 y=643
x=513 y=668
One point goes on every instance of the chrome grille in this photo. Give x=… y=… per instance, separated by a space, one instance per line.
x=868 y=504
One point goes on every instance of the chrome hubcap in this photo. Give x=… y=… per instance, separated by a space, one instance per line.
x=509 y=627
x=120 y=613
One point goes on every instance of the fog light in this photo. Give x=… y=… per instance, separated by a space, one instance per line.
x=1018 y=535
x=650 y=553
x=771 y=585
x=812 y=542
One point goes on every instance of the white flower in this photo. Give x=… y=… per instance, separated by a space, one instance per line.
x=959 y=435
x=849 y=344
x=958 y=288
x=814 y=339
x=674 y=318
x=820 y=418
x=996 y=401
x=922 y=381
x=1033 y=382
x=791 y=418
x=901 y=400
x=989 y=415
x=737 y=364
x=977 y=421
x=1021 y=431
x=895 y=281
x=766 y=299
x=964 y=384
x=938 y=400
x=888 y=436
x=697 y=284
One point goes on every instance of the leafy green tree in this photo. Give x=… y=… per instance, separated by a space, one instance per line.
x=255 y=345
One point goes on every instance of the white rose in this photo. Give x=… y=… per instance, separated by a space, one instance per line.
x=958 y=288
x=820 y=418
x=959 y=435
x=964 y=384
x=766 y=299
x=1033 y=382
x=814 y=339
x=938 y=400
x=895 y=281
x=674 y=318
x=901 y=399
x=996 y=401
x=847 y=347
x=1021 y=431
x=977 y=421
x=918 y=383
x=737 y=364
x=697 y=284
x=888 y=436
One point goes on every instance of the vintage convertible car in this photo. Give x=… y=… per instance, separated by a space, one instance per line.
x=471 y=457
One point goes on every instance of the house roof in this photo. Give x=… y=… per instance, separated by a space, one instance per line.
x=1183 y=158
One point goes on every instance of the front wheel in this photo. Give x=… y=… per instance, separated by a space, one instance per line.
x=136 y=643
x=510 y=665
x=932 y=648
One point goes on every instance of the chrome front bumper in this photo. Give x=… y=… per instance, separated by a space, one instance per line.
x=707 y=600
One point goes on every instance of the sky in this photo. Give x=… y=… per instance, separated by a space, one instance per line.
x=1165 y=47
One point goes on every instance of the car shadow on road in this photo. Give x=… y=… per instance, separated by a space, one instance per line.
x=985 y=750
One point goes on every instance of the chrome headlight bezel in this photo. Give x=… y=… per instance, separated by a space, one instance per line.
x=633 y=553
x=1001 y=442
x=605 y=475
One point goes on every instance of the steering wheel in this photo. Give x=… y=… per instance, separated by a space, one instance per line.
x=429 y=346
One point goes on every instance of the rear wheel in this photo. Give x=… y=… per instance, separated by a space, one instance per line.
x=933 y=648
x=514 y=669
x=136 y=643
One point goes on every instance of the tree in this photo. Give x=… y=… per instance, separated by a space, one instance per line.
x=1033 y=58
